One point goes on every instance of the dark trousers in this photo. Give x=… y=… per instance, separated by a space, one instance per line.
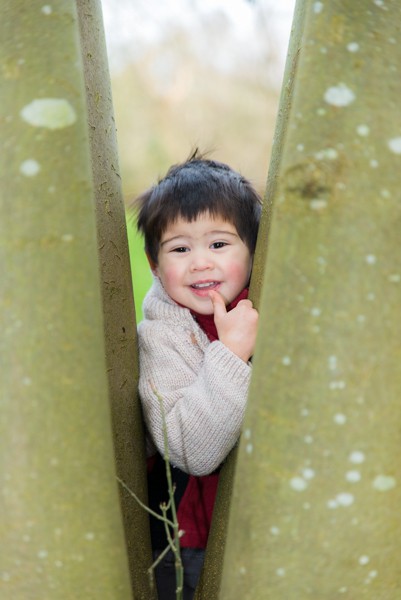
x=192 y=561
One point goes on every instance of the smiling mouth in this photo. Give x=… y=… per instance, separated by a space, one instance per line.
x=206 y=285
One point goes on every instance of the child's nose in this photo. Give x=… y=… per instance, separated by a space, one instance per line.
x=200 y=262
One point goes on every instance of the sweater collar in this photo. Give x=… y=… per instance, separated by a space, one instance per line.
x=206 y=322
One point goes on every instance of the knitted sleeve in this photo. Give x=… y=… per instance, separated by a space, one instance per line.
x=203 y=388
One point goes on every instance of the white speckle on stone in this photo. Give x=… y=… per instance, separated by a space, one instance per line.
x=384 y=483
x=395 y=145
x=47 y=9
x=308 y=439
x=357 y=457
x=90 y=536
x=286 y=360
x=274 y=530
x=385 y=193
x=321 y=112
x=249 y=448
x=343 y=590
x=58 y=563
x=363 y=560
x=332 y=504
x=370 y=259
x=372 y=574
x=379 y=3
x=43 y=554
x=29 y=167
x=306 y=506
x=280 y=572
x=242 y=570
x=331 y=153
x=374 y=163
x=345 y=499
x=371 y=296
x=353 y=47
x=5 y=576
x=67 y=237
x=51 y=113
x=353 y=476
x=340 y=419
x=318 y=204
x=304 y=412
x=247 y=434
x=300 y=147
x=328 y=153
x=339 y=95
x=316 y=311
x=298 y=484
x=318 y=7
x=332 y=362
x=26 y=381
x=394 y=278
x=308 y=473
x=337 y=385
x=363 y=130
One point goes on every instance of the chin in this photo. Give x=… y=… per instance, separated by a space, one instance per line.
x=203 y=309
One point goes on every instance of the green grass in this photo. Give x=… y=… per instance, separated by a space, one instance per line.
x=141 y=274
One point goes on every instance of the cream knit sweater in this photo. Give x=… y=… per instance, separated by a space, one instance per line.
x=203 y=386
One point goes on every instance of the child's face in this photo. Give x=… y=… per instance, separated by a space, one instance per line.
x=202 y=255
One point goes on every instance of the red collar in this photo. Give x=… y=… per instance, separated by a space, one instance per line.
x=206 y=322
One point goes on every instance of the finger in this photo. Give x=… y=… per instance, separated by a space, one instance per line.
x=245 y=303
x=219 y=306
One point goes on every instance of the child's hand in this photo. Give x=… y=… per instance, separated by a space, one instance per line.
x=237 y=328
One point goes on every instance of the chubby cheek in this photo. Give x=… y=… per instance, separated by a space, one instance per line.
x=238 y=273
x=170 y=277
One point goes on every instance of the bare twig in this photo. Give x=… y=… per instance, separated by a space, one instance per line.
x=169 y=524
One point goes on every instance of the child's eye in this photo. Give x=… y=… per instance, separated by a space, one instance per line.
x=180 y=249
x=217 y=245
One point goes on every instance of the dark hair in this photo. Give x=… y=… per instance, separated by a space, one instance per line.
x=192 y=188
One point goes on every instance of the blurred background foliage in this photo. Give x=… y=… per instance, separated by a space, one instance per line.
x=188 y=74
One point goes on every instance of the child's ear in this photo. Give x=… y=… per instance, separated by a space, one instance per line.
x=152 y=263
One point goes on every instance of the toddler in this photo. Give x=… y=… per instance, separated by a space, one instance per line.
x=200 y=225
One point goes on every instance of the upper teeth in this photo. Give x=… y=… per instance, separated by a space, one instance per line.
x=204 y=285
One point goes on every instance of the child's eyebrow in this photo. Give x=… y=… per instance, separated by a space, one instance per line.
x=222 y=232
x=175 y=237
x=209 y=233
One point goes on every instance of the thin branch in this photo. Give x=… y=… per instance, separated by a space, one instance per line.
x=149 y=510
